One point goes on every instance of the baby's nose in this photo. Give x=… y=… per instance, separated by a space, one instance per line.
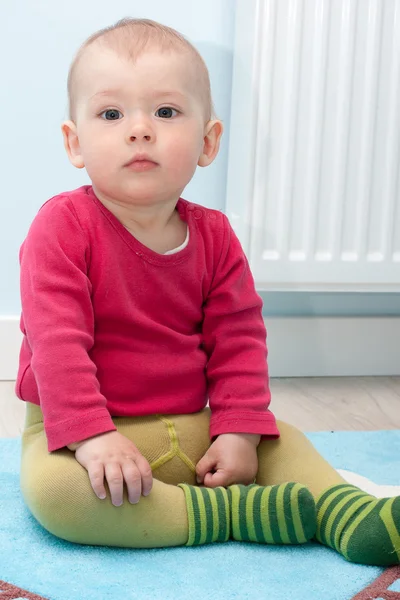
x=141 y=128
x=146 y=137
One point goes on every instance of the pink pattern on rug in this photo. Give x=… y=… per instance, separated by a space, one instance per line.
x=10 y=592
x=379 y=587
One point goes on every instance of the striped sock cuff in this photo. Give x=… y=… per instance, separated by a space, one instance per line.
x=278 y=514
x=208 y=514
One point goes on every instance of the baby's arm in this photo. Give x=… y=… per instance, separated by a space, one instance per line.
x=59 y=326
x=234 y=337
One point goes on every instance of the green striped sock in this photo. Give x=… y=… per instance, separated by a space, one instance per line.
x=363 y=528
x=277 y=514
x=208 y=514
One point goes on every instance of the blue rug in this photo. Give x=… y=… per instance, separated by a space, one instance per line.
x=34 y=560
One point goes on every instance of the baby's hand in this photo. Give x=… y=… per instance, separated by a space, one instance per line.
x=112 y=455
x=232 y=458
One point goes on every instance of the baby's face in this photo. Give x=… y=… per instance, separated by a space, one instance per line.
x=123 y=109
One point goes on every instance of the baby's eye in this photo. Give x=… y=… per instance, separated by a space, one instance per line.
x=113 y=112
x=166 y=112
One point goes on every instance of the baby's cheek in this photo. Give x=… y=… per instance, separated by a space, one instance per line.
x=98 y=169
x=97 y=156
x=182 y=162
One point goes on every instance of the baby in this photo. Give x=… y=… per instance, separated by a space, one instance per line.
x=139 y=308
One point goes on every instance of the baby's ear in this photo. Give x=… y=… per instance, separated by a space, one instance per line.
x=212 y=136
x=71 y=144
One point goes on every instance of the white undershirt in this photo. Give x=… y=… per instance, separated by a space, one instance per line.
x=181 y=247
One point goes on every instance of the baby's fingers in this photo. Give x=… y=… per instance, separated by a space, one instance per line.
x=218 y=479
x=146 y=474
x=133 y=480
x=115 y=481
x=138 y=477
x=96 y=477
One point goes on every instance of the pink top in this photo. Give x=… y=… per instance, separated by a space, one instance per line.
x=112 y=328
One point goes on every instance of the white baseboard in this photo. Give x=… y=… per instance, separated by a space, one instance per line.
x=297 y=346
x=10 y=343
x=333 y=346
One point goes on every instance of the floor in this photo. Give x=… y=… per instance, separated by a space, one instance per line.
x=309 y=403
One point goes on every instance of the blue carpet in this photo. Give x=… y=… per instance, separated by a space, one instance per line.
x=32 y=559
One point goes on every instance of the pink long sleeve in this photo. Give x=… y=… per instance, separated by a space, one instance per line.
x=235 y=341
x=58 y=323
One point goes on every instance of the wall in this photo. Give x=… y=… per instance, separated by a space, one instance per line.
x=39 y=40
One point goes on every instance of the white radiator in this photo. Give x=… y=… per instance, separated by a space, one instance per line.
x=313 y=177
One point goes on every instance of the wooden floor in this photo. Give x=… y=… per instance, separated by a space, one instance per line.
x=309 y=403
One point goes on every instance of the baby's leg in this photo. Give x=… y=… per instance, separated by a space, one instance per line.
x=362 y=528
x=292 y=457
x=57 y=490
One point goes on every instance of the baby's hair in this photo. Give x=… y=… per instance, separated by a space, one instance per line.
x=129 y=38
